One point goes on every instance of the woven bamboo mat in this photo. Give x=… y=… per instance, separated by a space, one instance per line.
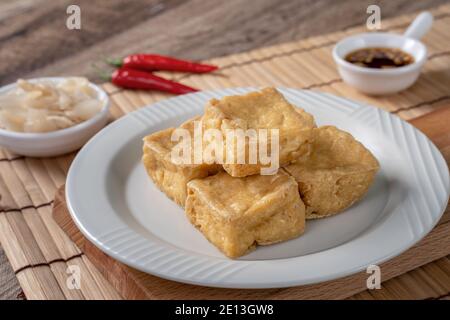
x=40 y=252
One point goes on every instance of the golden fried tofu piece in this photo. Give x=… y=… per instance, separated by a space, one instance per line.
x=337 y=173
x=169 y=177
x=267 y=109
x=236 y=214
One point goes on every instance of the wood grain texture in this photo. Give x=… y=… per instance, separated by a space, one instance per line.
x=39 y=44
x=133 y=284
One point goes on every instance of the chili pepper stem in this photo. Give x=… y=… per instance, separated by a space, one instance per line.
x=105 y=76
x=117 y=62
x=102 y=74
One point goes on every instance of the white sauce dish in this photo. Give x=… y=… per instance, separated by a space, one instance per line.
x=384 y=81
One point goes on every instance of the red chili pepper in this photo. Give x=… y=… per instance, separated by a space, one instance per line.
x=136 y=79
x=153 y=62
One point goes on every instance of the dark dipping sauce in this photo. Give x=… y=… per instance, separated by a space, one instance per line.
x=379 y=58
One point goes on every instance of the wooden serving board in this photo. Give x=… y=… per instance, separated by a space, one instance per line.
x=133 y=284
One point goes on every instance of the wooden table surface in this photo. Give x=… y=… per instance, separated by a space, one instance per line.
x=36 y=42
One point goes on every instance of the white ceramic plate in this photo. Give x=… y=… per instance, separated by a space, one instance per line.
x=118 y=208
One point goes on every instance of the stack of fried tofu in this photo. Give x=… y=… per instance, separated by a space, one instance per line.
x=322 y=171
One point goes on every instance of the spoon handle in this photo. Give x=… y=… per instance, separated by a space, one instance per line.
x=421 y=24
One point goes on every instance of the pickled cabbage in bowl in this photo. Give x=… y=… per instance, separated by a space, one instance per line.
x=46 y=106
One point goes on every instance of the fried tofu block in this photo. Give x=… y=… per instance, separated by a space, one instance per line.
x=267 y=109
x=337 y=173
x=169 y=177
x=236 y=214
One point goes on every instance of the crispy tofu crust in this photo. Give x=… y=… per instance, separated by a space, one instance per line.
x=267 y=109
x=169 y=177
x=236 y=214
x=324 y=171
x=336 y=174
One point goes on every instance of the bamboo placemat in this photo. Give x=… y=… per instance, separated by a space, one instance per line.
x=40 y=252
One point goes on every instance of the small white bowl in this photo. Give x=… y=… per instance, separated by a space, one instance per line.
x=384 y=81
x=55 y=142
